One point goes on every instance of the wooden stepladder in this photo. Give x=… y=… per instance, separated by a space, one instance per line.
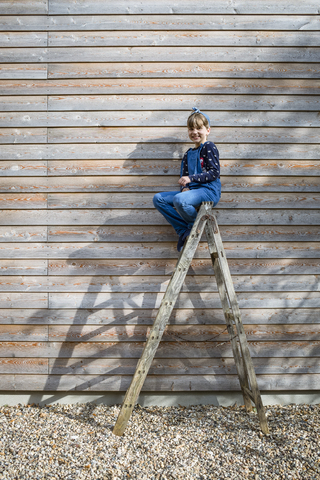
x=205 y=221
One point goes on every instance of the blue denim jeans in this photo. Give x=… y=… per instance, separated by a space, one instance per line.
x=179 y=208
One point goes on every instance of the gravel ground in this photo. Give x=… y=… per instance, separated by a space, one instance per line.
x=75 y=442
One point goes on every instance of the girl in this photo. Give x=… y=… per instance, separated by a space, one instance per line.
x=199 y=179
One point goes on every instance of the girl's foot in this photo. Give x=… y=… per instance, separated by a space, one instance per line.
x=182 y=239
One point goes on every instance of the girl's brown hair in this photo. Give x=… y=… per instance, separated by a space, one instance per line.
x=197 y=120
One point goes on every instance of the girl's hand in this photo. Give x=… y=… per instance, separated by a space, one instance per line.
x=184 y=181
x=185 y=189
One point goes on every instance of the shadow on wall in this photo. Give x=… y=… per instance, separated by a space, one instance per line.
x=127 y=313
x=130 y=309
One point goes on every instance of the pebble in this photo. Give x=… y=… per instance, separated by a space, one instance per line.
x=75 y=442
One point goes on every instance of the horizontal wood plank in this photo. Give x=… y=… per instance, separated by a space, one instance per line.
x=23 y=267
x=145 y=316
x=159 y=22
x=203 y=70
x=23 y=135
x=144 y=200
x=22 y=201
x=185 y=300
x=172 y=366
x=155 y=284
x=159 y=54
x=24 y=169
x=165 y=267
x=170 y=383
x=133 y=175
x=255 y=168
x=151 y=216
x=23 y=234
x=172 y=333
x=177 y=103
x=23 y=103
x=208 y=38
x=67 y=7
x=25 y=366
x=165 y=86
x=156 y=119
x=149 y=183
x=149 y=250
x=24 y=300
x=306 y=349
x=163 y=134
x=23 y=71
x=20 y=7
x=24 y=39
x=145 y=233
x=162 y=150
x=17 y=333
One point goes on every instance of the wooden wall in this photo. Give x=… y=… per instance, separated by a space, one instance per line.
x=94 y=101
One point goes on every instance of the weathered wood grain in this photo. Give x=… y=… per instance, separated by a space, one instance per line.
x=152 y=217
x=242 y=167
x=27 y=366
x=23 y=168
x=23 y=135
x=185 y=300
x=162 y=150
x=165 y=267
x=144 y=200
x=162 y=54
x=23 y=300
x=145 y=316
x=165 y=134
x=16 y=333
x=156 y=119
x=183 y=70
x=22 y=201
x=306 y=349
x=109 y=250
x=23 y=267
x=173 y=366
x=16 y=181
x=170 y=383
x=23 y=70
x=159 y=22
x=160 y=103
x=157 y=86
x=23 y=39
x=20 y=7
x=21 y=55
x=155 y=283
x=172 y=333
x=23 y=104
x=208 y=38
x=23 y=234
x=122 y=7
x=165 y=233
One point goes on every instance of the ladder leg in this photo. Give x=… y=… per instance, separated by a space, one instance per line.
x=160 y=322
x=242 y=373
x=254 y=393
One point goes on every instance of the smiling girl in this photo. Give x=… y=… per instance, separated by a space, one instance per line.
x=199 y=179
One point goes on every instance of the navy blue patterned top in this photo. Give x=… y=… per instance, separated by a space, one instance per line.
x=209 y=159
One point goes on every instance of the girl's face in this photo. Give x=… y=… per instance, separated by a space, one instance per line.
x=198 y=135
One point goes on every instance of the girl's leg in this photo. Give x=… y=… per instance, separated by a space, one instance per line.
x=164 y=204
x=187 y=202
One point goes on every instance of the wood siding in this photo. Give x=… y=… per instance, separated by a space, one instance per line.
x=94 y=98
